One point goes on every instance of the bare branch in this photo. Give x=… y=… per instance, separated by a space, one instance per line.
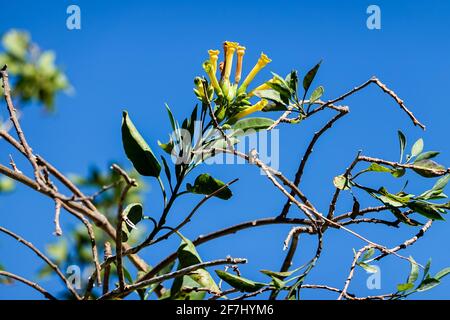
x=52 y=265
x=28 y=283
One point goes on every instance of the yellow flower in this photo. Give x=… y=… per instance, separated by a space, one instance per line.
x=230 y=49
x=262 y=62
x=213 y=57
x=240 y=56
x=209 y=69
x=254 y=108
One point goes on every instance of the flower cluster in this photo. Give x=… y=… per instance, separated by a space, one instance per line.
x=232 y=96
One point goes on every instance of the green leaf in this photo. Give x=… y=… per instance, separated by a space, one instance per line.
x=272 y=106
x=422 y=168
x=378 y=168
x=368 y=254
x=425 y=209
x=398 y=172
x=405 y=287
x=271 y=95
x=427 y=284
x=441 y=183
x=167 y=147
x=316 y=94
x=254 y=124
x=414 y=273
x=132 y=214
x=277 y=274
x=277 y=283
x=341 y=182
x=188 y=256
x=367 y=267
x=417 y=148
x=442 y=273
x=205 y=184
x=239 y=283
x=402 y=141
x=137 y=150
x=426 y=270
x=427 y=155
x=308 y=79
x=292 y=80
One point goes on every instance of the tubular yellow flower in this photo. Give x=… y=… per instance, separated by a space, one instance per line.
x=209 y=69
x=240 y=56
x=254 y=108
x=213 y=57
x=262 y=62
x=231 y=48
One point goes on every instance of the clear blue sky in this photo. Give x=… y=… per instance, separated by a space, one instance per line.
x=138 y=55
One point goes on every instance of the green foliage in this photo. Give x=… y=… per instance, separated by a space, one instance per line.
x=205 y=184
x=132 y=216
x=35 y=76
x=188 y=256
x=239 y=283
x=137 y=150
x=426 y=283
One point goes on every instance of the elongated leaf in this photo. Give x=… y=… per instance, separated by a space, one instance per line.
x=367 y=267
x=188 y=256
x=292 y=81
x=405 y=287
x=378 y=168
x=427 y=155
x=316 y=94
x=422 y=168
x=428 y=284
x=277 y=274
x=254 y=124
x=137 y=150
x=441 y=183
x=271 y=95
x=205 y=184
x=442 y=273
x=417 y=148
x=402 y=141
x=308 y=79
x=132 y=216
x=414 y=273
x=425 y=209
x=239 y=283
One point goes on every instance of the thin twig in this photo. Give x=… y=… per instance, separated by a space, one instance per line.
x=16 y=123
x=28 y=283
x=175 y=274
x=58 y=230
x=120 y=219
x=50 y=263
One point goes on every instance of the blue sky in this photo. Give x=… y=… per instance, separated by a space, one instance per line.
x=140 y=55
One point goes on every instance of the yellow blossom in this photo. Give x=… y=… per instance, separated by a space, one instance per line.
x=209 y=69
x=230 y=50
x=213 y=57
x=262 y=62
x=240 y=56
x=254 y=108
